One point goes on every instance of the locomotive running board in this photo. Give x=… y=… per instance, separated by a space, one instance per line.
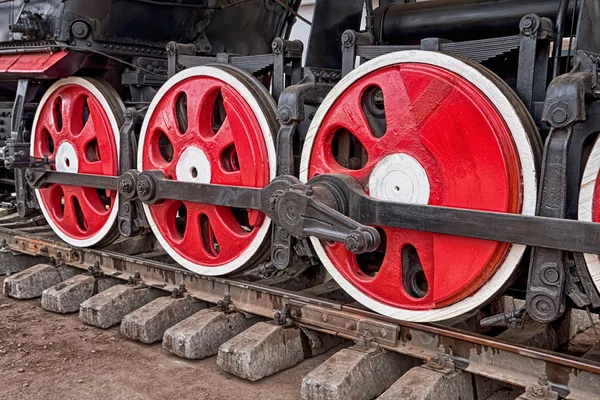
x=502 y=361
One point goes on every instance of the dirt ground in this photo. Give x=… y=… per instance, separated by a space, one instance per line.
x=49 y=356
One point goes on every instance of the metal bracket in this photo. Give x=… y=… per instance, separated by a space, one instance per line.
x=131 y=218
x=284 y=51
x=179 y=292
x=350 y=41
x=226 y=305
x=512 y=319
x=283 y=316
x=540 y=391
x=291 y=113
x=174 y=49
x=95 y=270
x=441 y=362
x=18 y=147
x=534 y=53
x=136 y=280
x=564 y=107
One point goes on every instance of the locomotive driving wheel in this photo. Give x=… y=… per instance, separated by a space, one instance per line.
x=77 y=125
x=210 y=124
x=426 y=128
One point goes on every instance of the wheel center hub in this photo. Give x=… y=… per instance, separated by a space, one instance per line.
x=193 y=166
x=66 y=158
x=400 y=178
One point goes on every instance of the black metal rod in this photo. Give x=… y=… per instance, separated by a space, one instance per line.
x=230 y=196
x=561 y=18
x=84 y=180
x=554 y=233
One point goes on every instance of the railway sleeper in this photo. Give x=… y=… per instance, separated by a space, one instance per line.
x=149 y=322
x=200 y=335
x=265 y=349
x=67 y=296
x=108 y=308
x=30 y=283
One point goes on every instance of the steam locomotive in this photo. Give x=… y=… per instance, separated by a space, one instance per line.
x=433 y=159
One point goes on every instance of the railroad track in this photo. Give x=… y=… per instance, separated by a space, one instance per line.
x=518 y=357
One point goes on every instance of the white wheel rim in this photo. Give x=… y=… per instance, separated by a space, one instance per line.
x=528 y=168
x=262 y=234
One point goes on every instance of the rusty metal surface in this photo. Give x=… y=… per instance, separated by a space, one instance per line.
x=572 y=378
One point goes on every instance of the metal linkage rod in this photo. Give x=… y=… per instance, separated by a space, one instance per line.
x=333 y=207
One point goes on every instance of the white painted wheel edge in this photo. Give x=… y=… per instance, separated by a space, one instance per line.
x=112 y=219
x=262 y=234
x=586 y=200
x=522 y=142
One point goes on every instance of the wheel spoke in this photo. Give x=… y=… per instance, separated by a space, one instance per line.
x=226 y=230
x=350 y=116
x=222 y=177
x=48 y=120
x=72 y=111
x=193 y=237
x=225 y=136
x=200 y=104
x=69 y=213
x=165 y=120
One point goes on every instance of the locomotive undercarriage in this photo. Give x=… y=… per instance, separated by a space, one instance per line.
x=295 y=184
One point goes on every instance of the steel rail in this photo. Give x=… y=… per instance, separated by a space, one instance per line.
x=571 y=377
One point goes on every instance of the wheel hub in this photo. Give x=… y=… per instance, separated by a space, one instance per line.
x=66 y=158
x=399 y=178
x=193 y=166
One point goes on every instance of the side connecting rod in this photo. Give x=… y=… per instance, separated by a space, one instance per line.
x=336 y=208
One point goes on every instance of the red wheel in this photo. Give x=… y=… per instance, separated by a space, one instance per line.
x=427 y=128
x=77 y=124
x=589 y=205
x=210 y=125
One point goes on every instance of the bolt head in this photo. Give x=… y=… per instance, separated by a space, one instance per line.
x=285 y=115
x=559 y=115
x=355 y=242
x=143 y=188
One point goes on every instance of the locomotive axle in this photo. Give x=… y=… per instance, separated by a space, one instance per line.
x=335 y=208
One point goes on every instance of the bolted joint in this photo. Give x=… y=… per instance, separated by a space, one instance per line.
x=135 y=280
x=80 y=29
x=363 y=240
x=278 y=46
x=541 y=390
x=146 y=188
x=285 y=115
x=365 y=342
x=95 y=270
x=348 y=39
x=441 y=361
x=171 y=48
x=179 y=292
x=565 y=99
x=529 y=25
x=128 y=185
